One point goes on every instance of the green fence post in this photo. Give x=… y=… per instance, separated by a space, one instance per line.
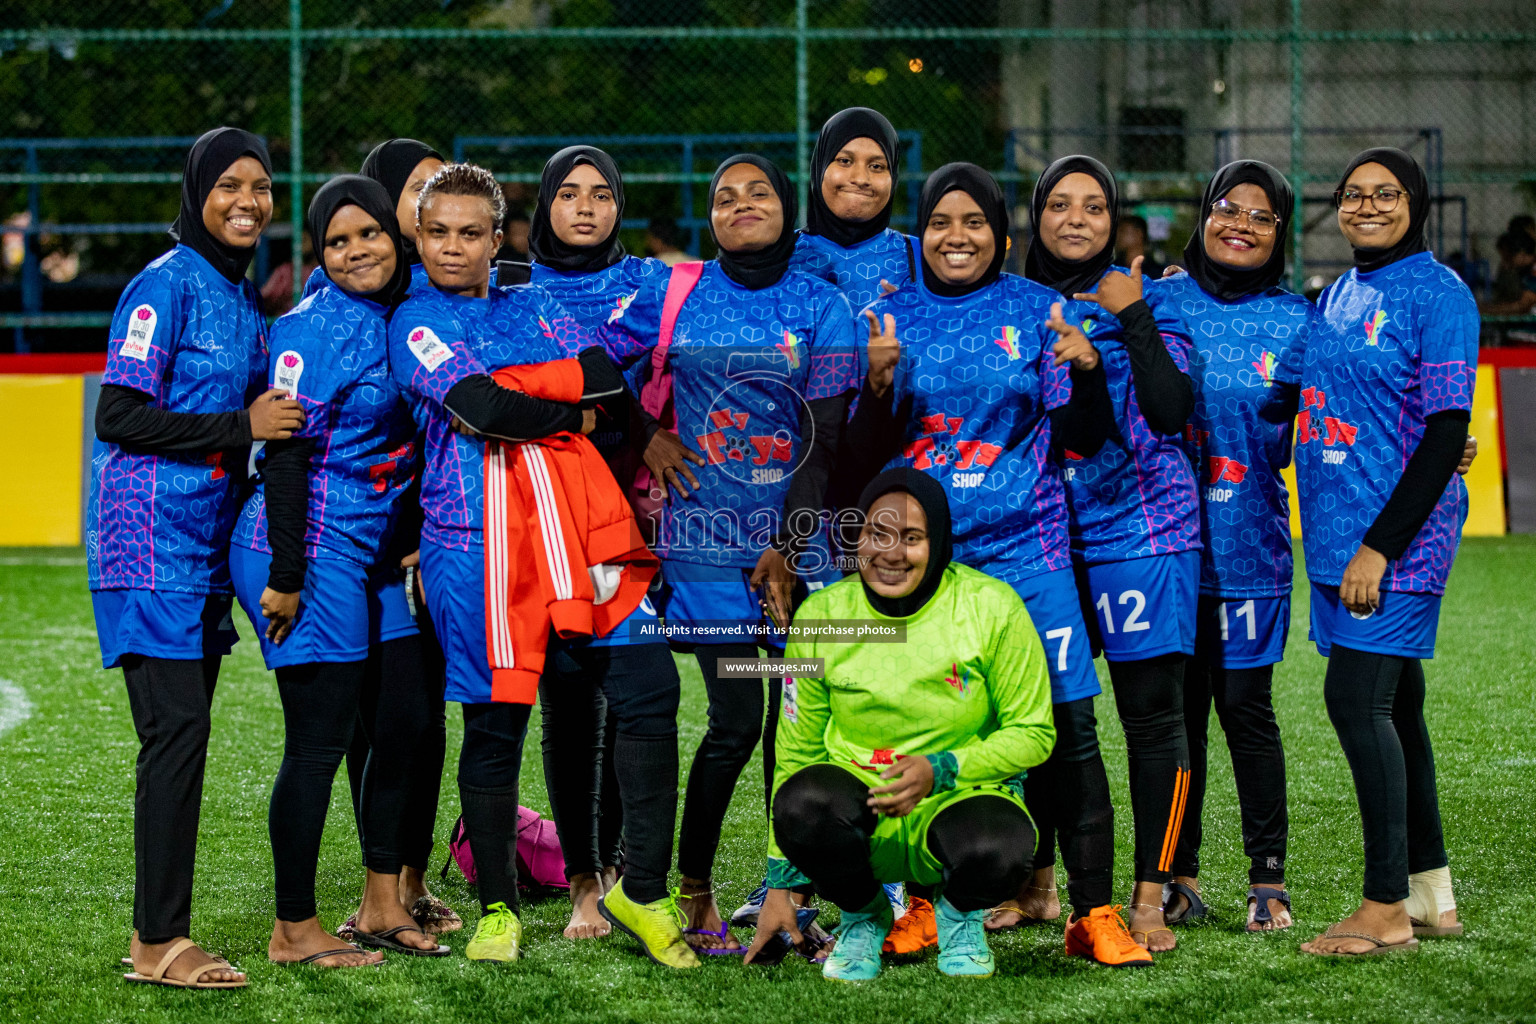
x=802 y=105
x=1298 y=154
x=296 y=138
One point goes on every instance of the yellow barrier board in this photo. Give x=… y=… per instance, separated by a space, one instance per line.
x=40 y=462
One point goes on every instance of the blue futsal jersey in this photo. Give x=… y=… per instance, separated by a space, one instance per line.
x=435 y=341
x=981 y=377
x=1398 y=344
x=331 y=353
x=1240 y=348
x=858 y=270
x=196 y=343
x=1136 y=497
x=743 y=364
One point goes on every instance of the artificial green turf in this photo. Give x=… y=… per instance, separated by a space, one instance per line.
x=66 y=869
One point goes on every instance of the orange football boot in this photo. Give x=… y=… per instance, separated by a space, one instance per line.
x=917 y=928
x=1101 y=936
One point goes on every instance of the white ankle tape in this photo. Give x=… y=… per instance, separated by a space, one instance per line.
x=1430 y=895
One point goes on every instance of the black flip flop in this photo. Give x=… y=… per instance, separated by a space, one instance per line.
x=1261 y=895
x=386 y=940
x=1194 y=907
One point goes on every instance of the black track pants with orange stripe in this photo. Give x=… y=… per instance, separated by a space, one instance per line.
x=1149 y=697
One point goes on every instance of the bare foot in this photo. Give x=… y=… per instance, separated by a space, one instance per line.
x=1279 y=916
x=381 y=911
x=147 y=956
x=1036 y=901
x=586 y=922
x=698 y=903
x=292 y=941
x=1387 y=921
x=1146 y=919
x=610 y=877
x=412 y=886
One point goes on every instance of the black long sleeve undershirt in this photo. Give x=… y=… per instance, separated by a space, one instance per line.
x=490 y=409
x=822 y=421
x=285 y=480
x=872 y=436
x=125 y=417
x=1083 y=424
x=1165 y=395
x=1429 y=469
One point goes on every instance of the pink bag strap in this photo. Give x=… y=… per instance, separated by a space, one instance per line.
x=653 y=397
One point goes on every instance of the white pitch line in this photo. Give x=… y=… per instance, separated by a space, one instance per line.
x=15 y=708
x=52 y=560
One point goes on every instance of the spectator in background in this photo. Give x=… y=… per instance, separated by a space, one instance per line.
x=277 y=293
x=1522 y=223
x=514 y=233
x=664 y=241
x=1131 y=241
x=1512 y=283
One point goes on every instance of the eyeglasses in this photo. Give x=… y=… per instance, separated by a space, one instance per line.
x=1260 y=222
x=1385 y=200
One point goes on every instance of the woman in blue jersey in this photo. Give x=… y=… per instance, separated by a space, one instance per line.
x=847 y=238
x=445 y=341
x=578 y=259
x=1247 y=331
x=1386 y=397
x=761 y=363
x=1135 y=518
x=188 y=355
x=305 y=558
x=987 y=391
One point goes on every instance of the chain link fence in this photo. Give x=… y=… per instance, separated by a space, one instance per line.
x=99 y=101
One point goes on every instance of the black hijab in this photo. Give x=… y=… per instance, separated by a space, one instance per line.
x=841 y=129
x=390 y=164
x=935 y=504
x=982 y=187
x=1229 y=284
x=762 y=267
x=370 y=197
x=545 y=246
x=1043 y=266
x=210 y=157
x=1406 y=170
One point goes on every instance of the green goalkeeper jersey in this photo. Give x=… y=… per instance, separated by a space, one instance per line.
x=968 y=688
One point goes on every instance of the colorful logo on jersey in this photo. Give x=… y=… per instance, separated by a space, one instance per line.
x=544 y=326
x=1373 y=327
x=720 y=447
x=882 y=756
x=1332 y=431
x=1087 y=325
x=290 y=367
x=941 y=446
x=1225 y=469
x=958 y=679
x=428 y=348
x=1009 y=342
x=619 y=307
x=141 y=330
x=1265 y=365
x=382 y=473
x=790 y=346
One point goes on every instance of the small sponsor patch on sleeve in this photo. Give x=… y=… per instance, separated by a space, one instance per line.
x=617 y=313
x=141 y=331
x=430 y=350
x=290 y=367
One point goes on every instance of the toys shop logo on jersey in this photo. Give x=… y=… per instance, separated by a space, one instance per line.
x=941 y=445
x=747 y=430
x=1333 y=432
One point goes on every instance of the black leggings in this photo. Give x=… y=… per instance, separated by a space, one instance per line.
x=1150 y=700
x=321 y=705
x=637 y=687
x=824 y=826
x=736 y=720
x=1376 y=704
x=1069 y=795
x=1247 y=716
x=419 y=816
x=170 y=701
x=488 y=767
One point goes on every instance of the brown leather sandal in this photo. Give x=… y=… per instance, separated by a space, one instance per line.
x=157 y=976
